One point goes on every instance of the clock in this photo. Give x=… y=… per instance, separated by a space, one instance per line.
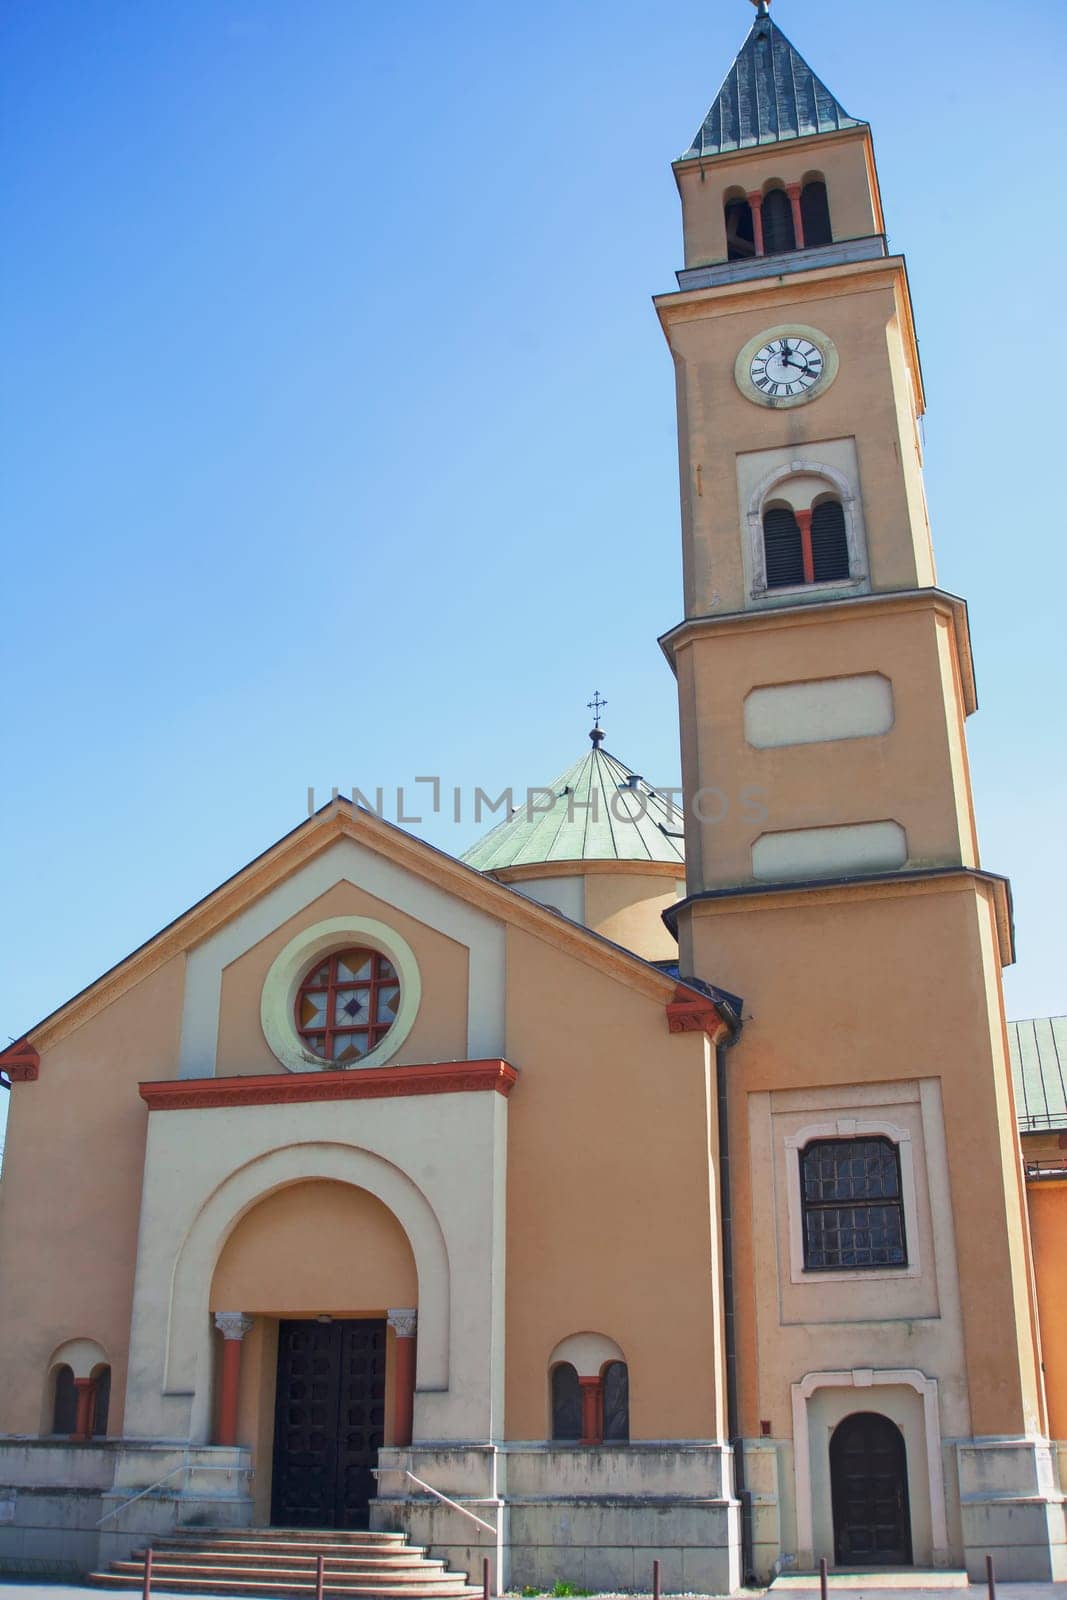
x=786 y=366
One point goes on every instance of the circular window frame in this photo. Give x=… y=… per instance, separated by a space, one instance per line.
x=277 y=1009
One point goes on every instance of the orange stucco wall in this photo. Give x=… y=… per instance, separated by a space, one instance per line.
x=1047 y=1201
x=610 y=1161
x=71 y=1192
x=439 y=1032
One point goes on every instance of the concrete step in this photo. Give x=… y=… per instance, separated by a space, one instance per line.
x=216 y=1585
x=886 y=1578
x=340 y=1556
x=365 y=1536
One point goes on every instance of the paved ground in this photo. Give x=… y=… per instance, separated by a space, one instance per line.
x=43 y=1589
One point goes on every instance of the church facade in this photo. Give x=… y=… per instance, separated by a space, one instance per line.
x=636 y=1187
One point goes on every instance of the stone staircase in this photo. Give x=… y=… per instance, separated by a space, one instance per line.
x=282 y=1561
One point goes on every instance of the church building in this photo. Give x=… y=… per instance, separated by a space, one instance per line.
x=646 y=1184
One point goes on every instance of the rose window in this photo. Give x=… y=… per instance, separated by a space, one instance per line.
x=347 y=1005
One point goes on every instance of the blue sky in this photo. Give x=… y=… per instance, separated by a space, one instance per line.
x=340 y=434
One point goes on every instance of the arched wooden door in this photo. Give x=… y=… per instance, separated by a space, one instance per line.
x=869 y=1487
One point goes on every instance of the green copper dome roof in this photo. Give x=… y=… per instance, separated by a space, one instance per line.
x=769 y=94
x=600 y=811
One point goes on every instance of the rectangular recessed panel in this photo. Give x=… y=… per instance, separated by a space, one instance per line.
x=819 y=709
x=829 y=852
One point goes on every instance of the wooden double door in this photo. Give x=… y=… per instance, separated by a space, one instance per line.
x=329 y=1422
x=869 y=1489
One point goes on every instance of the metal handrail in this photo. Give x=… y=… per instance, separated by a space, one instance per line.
x=183 y=1466
x=489 y=1526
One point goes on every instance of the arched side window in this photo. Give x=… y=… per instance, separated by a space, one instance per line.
x=829 y=541
x=852 y=1205
x=615 y=1379
x=101 y=1401
x=815 y=214
x=64 y=1401
x=740 y=235
x=782 y=547
x=566 y=1404
x=779 y=234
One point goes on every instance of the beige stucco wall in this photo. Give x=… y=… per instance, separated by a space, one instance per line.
x=941 y=1021
x=612 y=1201
x=628 y=910
x=70 y=1193
x=439 y=1032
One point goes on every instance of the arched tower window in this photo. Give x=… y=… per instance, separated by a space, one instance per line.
x=779 y=234
x=566 y=1403
x=615 y=1379
x=782 y=546
x=740 y=236
x=815 y=214
x=64 y=1401
x=829 y=541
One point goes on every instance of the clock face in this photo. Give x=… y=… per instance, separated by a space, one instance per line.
x=786 y=367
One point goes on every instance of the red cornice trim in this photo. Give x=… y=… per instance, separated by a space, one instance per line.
x=290 y=1088
x=688 y=1013
x=20 y=1061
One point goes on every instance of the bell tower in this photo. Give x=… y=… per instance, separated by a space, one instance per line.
x=833 y=871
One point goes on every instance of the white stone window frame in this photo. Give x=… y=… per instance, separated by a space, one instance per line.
x=855 y=532
x=869 y=1378
x=851 y=1128
x=278 y=1000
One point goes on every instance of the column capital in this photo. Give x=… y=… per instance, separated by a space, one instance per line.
x=792 y=189
x=233 y=1324
x=403 y=1322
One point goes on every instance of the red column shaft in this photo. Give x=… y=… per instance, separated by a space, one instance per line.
x=793 y=191
x=83 y=1417
x=592 y=1426
x=755 y=205
x=229 y=1387
x=804 y=521
x=404 y=1394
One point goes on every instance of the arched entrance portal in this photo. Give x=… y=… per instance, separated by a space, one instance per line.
x=869 y=1489
x=325 y=1281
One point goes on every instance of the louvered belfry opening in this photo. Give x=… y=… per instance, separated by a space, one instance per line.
x=778 y=232
x=829 y=542
x=740 y=236
x=815 y=214
x=783 y=548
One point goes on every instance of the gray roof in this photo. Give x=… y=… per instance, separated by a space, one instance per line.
x=600 y=811
x=1039 y=1069
x=769 y=94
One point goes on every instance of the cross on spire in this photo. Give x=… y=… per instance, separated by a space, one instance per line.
x=596 y=706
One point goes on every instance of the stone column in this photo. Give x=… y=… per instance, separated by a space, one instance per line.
x=755 y=205
x=592 y=1391
x=403 y=1324
x=83 y=1417
x=793 y=191
x=807 y=554
x=233 y=1325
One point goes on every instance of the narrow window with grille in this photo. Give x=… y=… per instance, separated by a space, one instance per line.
x=829 y=542
x=815 y=214
x=782 y=547
x=852 y=1205
x=740 y=235
x=778 y=232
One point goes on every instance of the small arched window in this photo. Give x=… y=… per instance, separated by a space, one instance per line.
x=615 y=1379
x=64 y=1402
x=815 y=214
x=740 y=235
x=783 y=548
x=829 y=541
x=566 y=1403
x=101 y=1401
x=779 y=234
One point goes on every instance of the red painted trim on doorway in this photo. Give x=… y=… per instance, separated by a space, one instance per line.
x=20 y=1061
x=368 y=1083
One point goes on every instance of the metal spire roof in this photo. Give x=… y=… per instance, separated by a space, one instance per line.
x=601 y=811
x=769 y=94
